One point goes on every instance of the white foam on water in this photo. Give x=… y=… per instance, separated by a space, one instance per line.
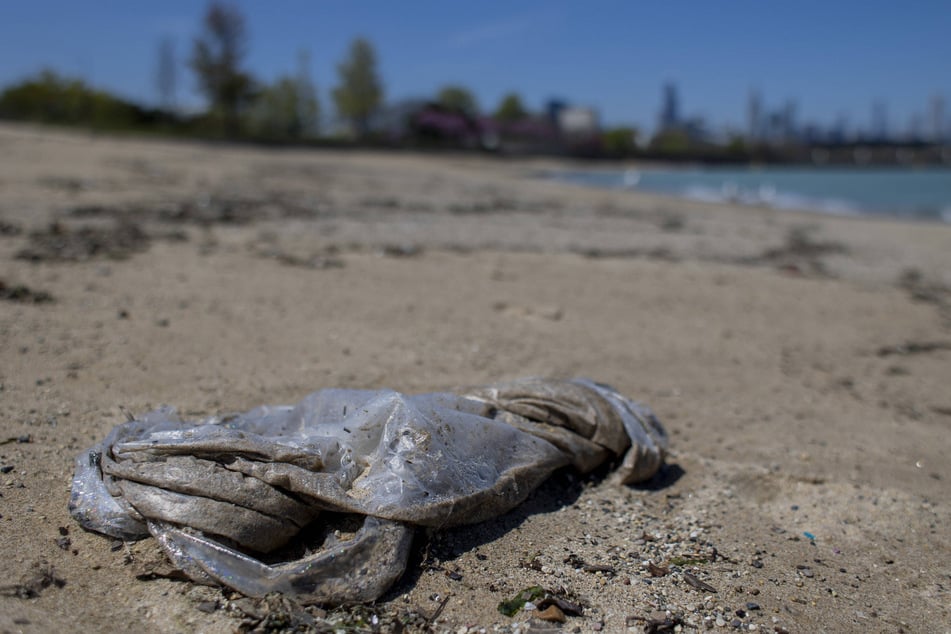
x=764 y=194
x=769 y=196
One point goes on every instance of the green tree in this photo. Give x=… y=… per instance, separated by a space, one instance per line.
x=51 y=98
x=216 y=60
x=287 y=109
x=737 y=146
x=620 y=141
x=360 y=91
x=671 y=141
x=458 y=98
x=510 y=108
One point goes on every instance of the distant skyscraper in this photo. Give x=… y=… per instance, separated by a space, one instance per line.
x=879 y=128
x=914 y=127
x=670 y=110
x=789 y=120
x=938 y=131
x=840 y=129
x=754 y=113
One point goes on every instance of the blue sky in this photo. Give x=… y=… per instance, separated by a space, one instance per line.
x=834 y=57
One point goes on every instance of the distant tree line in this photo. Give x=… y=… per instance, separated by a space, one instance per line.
x=288 y=109
x=238 y=104
x=52 y=98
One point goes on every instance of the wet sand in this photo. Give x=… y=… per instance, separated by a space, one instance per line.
x=801 y=364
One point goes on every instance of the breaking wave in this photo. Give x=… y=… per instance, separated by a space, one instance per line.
x=768 y=196
x=923 y=194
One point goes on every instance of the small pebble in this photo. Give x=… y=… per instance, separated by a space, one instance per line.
x=7 y=468
x=736 y=623
x=752 y=606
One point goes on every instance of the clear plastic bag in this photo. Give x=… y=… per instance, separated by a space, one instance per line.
x=214 y=491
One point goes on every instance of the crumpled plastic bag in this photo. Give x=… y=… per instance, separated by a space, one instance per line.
x=215 y=491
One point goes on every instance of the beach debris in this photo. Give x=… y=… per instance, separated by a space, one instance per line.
x=800 y=254
x=358 y=468
x=540 y=600
x=688 y=561
x=21 y=439
x=696 y=583
x=61 y=243
x=660 y=622
x=9 y=229
x=914 y=347
x=922 y=289
x=41 y=576
x=23 y=294
x=215 y=208
x=578 y=563
x=552 y=613
x=512 y=606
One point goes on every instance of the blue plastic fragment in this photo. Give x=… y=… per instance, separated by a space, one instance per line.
x=810 y=535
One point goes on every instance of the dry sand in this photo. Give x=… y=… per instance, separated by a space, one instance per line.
x=801 y=364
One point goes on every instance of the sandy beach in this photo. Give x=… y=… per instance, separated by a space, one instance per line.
x=801 y=364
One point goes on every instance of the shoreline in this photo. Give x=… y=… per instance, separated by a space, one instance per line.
x=769 y=196
x=799 y=362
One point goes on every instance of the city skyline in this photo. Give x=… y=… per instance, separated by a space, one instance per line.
x=835 y=62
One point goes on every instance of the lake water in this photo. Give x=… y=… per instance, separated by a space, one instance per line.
x=923 y=193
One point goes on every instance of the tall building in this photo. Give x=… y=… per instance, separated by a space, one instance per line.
x=788 y=131
x=670 y=109
x=879 y=127
x=914 y=127
x=754 y=113
x=840 y=129
x=938 y=131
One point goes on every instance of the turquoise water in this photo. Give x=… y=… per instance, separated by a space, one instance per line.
x=908 y=193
